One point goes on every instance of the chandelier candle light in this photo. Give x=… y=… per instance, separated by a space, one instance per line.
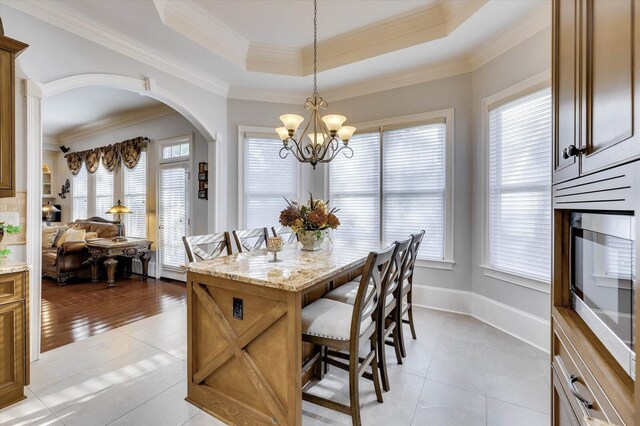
x=323 y=132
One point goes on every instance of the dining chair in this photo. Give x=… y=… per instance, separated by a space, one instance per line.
x=204 y=247
x=286 y=233
x=251 y=239
x=407 y=291
x=387 y=306
x=340 y=329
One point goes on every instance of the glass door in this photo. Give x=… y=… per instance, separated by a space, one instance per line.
x=174 y=218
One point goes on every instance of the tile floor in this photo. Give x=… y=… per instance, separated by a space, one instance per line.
x=460 y=371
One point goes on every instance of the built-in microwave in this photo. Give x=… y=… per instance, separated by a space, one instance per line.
x=603 y=281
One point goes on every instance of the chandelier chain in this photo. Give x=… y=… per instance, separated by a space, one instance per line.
x=315 y=48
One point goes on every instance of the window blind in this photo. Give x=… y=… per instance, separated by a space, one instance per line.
x=135 y=197
x=268 y=179
x=620 y=257
x=354 y=187
x=413 y=186
x=104 y=192
x=519 y=225
x=80 y=191
x=173 y=216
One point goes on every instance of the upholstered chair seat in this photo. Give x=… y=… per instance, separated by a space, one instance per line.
x=346 y=293
x=330 y=319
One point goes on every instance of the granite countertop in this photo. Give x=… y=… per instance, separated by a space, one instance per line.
x=11 y=268
x=297 y=271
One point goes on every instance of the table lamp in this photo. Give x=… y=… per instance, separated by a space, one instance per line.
x=118 y=210
x=49 y=209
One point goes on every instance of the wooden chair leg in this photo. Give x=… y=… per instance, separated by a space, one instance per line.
x=396 y=344
x=400 y=333
x=354 y=394
x=320 y=365
x=374 y=369
x=382 y=357
x=325 y=354
x=410 y=314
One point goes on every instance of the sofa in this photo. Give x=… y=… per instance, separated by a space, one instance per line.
x=67 y=260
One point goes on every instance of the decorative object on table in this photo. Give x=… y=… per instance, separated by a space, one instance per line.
x=48 y=209
x=119 y=210
x=203 y=181
x=323 y=132
x=274 y=245
x=66 y=188
x=309 y=221
x=5 y=228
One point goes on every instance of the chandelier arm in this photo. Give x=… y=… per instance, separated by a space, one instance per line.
x=296 y=152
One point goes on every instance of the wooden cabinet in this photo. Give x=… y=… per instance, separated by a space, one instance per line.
x=14 y=337
x=596 y=109
x=9 y=49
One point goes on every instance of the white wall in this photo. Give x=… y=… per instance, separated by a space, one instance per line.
x=156 y=129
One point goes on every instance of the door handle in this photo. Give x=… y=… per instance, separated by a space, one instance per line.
x=574 y=391
x=572 y=151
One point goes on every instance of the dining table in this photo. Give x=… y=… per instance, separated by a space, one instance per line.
x=245 y=353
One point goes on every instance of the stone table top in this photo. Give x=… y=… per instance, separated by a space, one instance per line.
x=11 y=268
x=298 y=270
x=109 y=243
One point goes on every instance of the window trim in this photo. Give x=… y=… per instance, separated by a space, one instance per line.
x=533 y=84
x=242 y=131
x=448 y=117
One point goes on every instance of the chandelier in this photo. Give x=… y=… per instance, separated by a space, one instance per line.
x=325 y=133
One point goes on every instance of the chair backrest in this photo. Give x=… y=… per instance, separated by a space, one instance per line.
x=204 y=247
x=251 y=239
x=284 y=232
x=370 y=288
x=416 y=240
x=392 y=283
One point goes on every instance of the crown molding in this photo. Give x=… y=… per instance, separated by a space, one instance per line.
x=54 y=14
x=258 y=95
x=534 y=22
x=114 y=122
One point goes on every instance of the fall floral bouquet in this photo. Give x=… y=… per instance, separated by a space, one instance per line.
x=309 y=221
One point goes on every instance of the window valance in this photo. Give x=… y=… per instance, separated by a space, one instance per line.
x=129 y=151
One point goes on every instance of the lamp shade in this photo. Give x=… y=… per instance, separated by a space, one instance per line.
x=50 y=207
x=118 y=209
x=345 y=132
x=334 y=121
x=291 y=121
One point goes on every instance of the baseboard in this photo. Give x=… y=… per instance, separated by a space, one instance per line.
x=515 y=322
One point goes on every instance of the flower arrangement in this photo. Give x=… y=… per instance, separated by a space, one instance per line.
x=7 y=229
x=314 y=215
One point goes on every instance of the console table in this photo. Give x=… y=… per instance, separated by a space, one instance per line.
x=108 y=251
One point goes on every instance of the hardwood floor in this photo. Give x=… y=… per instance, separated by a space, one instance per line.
x=80 y=310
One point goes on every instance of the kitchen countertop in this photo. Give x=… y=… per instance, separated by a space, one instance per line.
x=11 y=268
x=298 y=270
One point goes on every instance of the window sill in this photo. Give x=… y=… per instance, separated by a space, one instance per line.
x=446 y=265
x=509 y=277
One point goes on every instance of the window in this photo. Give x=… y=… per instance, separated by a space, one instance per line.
x=104 y=192
x=354 y=186
x=176 y=151
x=267 y=180
x=397 y=184
x=135 y=197
x=80 y=195
x=519 y=185
x=413 y=186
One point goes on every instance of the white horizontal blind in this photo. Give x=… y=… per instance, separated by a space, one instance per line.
x=354 y=187
x=173 y=216
x=519 y=227
x=135 y=197
x=268 y=180
x=620 y=257
x=104 y=192
x=413 y=186
x=80 y=192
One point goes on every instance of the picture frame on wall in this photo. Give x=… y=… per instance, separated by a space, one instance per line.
x=202 y=194
x=203 y=167
x=202 y=176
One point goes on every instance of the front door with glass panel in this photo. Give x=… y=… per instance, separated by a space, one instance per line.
x=173 y=211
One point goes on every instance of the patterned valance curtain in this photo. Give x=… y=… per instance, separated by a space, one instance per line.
x=129 y=151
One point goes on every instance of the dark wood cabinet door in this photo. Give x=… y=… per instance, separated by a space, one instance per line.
x=611 y=101
x=566 y=107
x=12 y=352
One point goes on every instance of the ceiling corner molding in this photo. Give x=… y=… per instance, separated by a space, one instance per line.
x=536 y=21
x=115 y=122
x=275 y=60
x=54 y=14
x=250 y=94
x=186 y=17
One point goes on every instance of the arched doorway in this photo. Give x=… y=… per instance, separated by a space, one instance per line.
x=35 y=93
